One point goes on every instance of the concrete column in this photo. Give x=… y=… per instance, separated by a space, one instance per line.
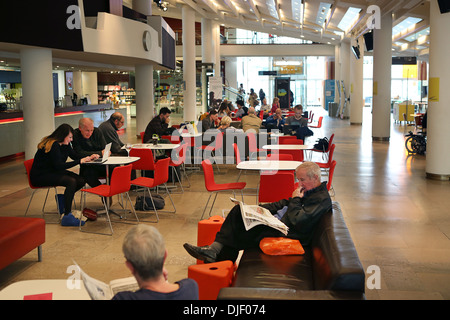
x=207 y=57
x=90 y=86
x=216 y=40
x=438 y=130
x=337 y=73
x=356 y=84
x=382 y=61
x=38 y=104
x=344 y=57
x=143 y=6
x=189 y=76
x=145 y=110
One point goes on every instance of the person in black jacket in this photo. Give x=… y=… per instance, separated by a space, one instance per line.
x=158 y=125
x=50 y=164
x=300 y=213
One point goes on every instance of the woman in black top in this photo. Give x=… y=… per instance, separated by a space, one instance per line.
x=50 y=164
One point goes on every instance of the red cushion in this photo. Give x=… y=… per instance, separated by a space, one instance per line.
x=18 y=236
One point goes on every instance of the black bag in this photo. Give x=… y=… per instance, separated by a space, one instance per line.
x=147 y=205
x=321 y=144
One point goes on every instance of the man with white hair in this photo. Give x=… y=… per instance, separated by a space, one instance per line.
x=251 y=121
x=300 y=213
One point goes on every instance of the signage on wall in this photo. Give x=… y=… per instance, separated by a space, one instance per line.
x=42 y=23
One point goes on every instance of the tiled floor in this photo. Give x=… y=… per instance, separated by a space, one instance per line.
x=398 y=219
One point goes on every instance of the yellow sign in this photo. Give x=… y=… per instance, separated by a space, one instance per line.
x=433 y=89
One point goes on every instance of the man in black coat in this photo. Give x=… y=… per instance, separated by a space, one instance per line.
x=300 y=213
x=158 y=125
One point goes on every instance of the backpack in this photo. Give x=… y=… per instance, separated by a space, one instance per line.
x=147 y=205
x=321 y=144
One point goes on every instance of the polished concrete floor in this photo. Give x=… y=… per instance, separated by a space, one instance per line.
x=398 y=219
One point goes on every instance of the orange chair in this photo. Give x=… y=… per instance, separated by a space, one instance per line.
x=218 y=143
x=275 y=186
x=181 y=153
x=161 y=176
x=252 y=145
x=207 y=230
x=28 y=164
x=319 y=123
x=119 y=184
x=214 y=187
x=211 y=278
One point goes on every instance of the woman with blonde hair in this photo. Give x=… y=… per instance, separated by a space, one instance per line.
x=225 y=124
x=275 y=104
x=50 y=168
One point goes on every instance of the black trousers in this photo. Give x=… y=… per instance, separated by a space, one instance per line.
x=234 y=237
x=72 y=181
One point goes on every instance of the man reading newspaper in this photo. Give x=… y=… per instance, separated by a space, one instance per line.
x=300 y=214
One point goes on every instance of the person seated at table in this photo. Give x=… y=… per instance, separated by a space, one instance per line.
x=50 y=168
x=159 y=125
x=265 y=108
x=300 y=213
x=87 y=141
x=209 y=122
x=223 y=110
x=276 y=120
x=242 y=109
x=297 y=119
x=145 y=254
x=251 y=121
x=109 y=130
x=225 y=125
x=275 y=104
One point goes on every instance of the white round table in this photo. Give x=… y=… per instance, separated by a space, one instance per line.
x=269 y=165
x=288 y=147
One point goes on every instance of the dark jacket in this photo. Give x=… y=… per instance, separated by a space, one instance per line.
x=303 y=214
x=156 y=126
x=86 y=147
x=54 y=161
x=109 y=131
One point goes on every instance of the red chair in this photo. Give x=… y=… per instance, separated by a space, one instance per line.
x=327 y=150
x=311 y=116
x=142 y=137
x=327 y=165
x=161 y=175
x=297 y=155
x=287 y=139
x=237 y=156
x=330 y=176
x=214 y=187
x=252 y=145
x=172 y=138
x=279 y=157
x=146 y=161
x=218 y=143
x=28 y=164
x=119 y=184
x=179 y=162
x=275 y=186
x=319 y=123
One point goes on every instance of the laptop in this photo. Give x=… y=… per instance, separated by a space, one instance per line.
x=290 y=129
x=105 y=154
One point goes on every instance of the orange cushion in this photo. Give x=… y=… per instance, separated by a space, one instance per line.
x=281 y=246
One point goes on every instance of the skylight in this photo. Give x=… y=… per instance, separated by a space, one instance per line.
x=322 y=13
x=349 y=18
x=419 y=34
x=404 y=25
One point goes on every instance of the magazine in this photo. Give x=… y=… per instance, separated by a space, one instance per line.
x=99 y=290
x=254 y=215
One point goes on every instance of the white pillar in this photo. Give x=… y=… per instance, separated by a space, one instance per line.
x=90 y=86
x=356 y=84
x=337 y=73
x=189 y=76
x=344 y=57
x=37 y=88
x=144 y=97
x=438 y=130
x=382 y=61
x=216 y=39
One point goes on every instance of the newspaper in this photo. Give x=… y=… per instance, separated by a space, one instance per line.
x=253 y=215
x=99 y=290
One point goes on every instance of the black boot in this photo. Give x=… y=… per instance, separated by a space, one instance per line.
x=206 y=254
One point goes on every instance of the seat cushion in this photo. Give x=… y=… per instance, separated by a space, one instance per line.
x=18 y=236
x=259 y=270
